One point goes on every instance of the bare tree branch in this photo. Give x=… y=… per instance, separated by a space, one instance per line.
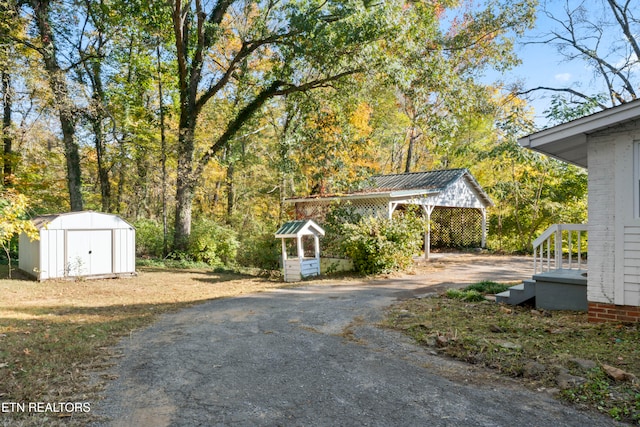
x=567 y=90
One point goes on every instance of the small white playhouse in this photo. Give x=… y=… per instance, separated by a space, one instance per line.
x=306 y=262
x=79 y=244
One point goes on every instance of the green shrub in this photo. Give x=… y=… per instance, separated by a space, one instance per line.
x=469 y=295
x=258 y=246
x=338 y=216
x=477 y=291
x=212 y=243
x=260 y=251
x=454 y=294
x=149 y=238
x=377 y=245
x=488 y=287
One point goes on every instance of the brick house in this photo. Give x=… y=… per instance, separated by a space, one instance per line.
x=606 y=143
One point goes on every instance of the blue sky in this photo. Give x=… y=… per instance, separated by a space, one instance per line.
x=543 y=65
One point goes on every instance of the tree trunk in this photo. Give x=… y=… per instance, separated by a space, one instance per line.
x=142 y=182
x=231 y=192
x=96 y=119
x=72 y=155
x=163 y=154
x=413 y=137
x=63 y=103
x=184 y=200
x=185 y=182
x=7 y=137
x=103 y=171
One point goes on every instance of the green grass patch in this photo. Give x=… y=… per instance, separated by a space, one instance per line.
x=487 y=287
x=477 y=291
x=464 y=295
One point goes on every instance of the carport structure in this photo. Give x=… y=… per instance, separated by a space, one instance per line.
x=453 y=202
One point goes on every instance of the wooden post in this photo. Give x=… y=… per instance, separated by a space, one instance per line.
x=284 y=252
x=316 y=240
x=428 y=209
x=484 y=228
x=392 y=208
x=300 y=248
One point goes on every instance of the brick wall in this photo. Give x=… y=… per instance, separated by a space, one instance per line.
x=601 y=312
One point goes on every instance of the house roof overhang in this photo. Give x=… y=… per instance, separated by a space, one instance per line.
x=568 y=141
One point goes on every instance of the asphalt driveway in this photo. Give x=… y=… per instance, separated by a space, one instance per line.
x=313 y=356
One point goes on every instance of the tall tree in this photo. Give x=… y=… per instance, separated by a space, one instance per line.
x=7 y=131
x=437 y=96
x=92 y=54
x=9 y=23
x=294 y=46
x=64 y=103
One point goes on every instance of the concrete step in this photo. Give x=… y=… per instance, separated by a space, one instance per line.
x=562 y=290
x=519 y=293
x=503 y=297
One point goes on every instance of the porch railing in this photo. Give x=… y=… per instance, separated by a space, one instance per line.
x=561 y=247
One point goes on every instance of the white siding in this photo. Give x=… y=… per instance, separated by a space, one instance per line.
x=125 y=251
x=459 y=195
x=614 y=226
x=295 y=268
x=601 y=221
x=52 y=254
x=29 y=258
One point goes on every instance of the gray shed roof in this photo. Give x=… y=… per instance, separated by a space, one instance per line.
x=432 y=180
x=411 y=184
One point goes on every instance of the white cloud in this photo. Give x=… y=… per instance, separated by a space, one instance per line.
x=563 y=77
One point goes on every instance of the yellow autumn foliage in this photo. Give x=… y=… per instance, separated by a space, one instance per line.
x=361 y=120
x=13 y=207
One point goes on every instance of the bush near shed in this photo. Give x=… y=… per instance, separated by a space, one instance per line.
x=377 y=245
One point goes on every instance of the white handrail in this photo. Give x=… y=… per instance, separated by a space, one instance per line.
x=555 y=239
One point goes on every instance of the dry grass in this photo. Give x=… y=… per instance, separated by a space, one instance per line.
x=54 y=334
x=537 y=347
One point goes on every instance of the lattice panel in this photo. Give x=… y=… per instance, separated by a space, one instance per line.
x=456 y=228
x=317 y=210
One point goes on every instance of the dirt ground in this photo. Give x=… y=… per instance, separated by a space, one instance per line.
x=446 y=270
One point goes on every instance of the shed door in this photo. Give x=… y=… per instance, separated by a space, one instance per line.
x=89 y=252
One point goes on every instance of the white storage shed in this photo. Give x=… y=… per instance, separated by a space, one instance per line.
x=79 y=244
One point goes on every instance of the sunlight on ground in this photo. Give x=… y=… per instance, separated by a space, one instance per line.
x=149 y=287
